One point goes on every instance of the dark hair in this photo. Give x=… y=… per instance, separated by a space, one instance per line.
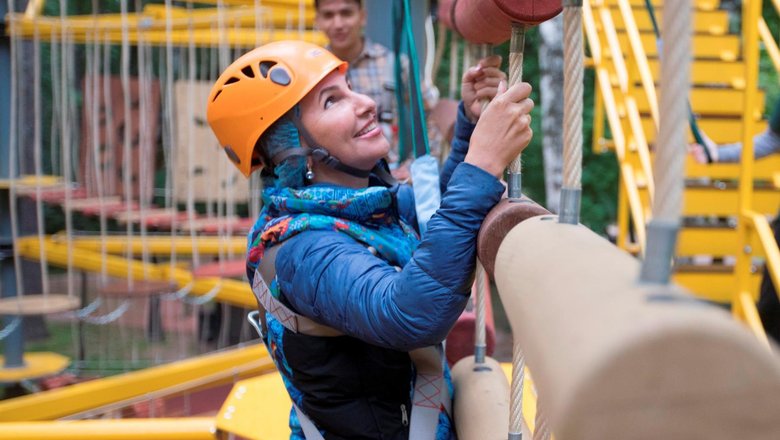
x=317 y=3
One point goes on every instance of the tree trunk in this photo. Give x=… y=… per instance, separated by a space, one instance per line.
x=551 y=92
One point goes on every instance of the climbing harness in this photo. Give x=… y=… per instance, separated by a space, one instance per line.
x=430 y=388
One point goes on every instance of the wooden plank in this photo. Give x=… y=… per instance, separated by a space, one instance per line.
x=709 y=101
x=721 y=202
x=714 y=22
x=714 y=286
x=706 y=5
x=730 y=73
x=713 y=241
x=720 y=130
x=202 y=169
x=765 y=169
x=724 y=47
x=703 y=73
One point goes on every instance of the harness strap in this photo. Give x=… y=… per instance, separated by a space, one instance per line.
x=430 y=389
x=431 y=393
x=266 y=302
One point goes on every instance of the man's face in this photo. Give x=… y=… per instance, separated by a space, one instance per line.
x=342 y=22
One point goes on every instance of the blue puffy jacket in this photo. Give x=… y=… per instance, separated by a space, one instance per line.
x=359 y=385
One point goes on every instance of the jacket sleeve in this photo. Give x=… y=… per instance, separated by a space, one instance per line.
x=336 y=281
x=459 y=147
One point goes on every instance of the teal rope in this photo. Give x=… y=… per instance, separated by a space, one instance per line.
x=403 y=44
x=691 y=117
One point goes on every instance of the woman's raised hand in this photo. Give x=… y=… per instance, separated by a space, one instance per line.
x=480 y=84
x=503 y=130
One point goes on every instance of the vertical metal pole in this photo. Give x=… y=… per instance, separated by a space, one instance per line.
x=14 y=342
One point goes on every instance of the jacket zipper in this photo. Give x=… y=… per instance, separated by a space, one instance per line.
x=404 y=416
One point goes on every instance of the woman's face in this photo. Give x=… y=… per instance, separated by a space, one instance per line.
x=344 y=122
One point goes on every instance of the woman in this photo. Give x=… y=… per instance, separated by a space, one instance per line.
x=357 y=305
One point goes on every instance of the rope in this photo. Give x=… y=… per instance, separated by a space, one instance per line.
x=670 y=158
x=516 y=394
x=480 y=345
x=37 y=149
x=110 y=141
x=179 y=294
x=516 y=43
x=66 y=62
x=11 y=162
x=191 y=72
x=110 y=316
x=454 y=55
x=169 y=134
x=541 y=430
x=206 y=297
x=144 y=146
x=128 y=129
x=675 y=67
x=572 y=96
x=691 y=117
x=10 y=327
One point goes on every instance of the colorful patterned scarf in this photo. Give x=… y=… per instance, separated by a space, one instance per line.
x=368 y=215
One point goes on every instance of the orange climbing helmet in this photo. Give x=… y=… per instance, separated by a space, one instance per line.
x=259 y=88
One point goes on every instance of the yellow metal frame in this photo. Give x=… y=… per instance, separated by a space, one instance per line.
x=741 y=307
x=189 y=428
x=158 y=25
x=218 y=368
x=235 y=292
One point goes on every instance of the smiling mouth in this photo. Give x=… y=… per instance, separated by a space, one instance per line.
x=368 y=128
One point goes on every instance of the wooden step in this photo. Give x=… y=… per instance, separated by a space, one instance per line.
x=713 y=22
x=720 y=130
x=764 y=170
x=713 y=283
x=716 y=241
x=709 y=201
x=721 y=102
x=723 y=47
x=705 y=5
x=767 y=168
x=703 y=73
x=728 y=73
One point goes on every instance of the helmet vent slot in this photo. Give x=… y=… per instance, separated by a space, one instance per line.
x=232 y=80
x=247 y=70
x=280 y=76
x=265 y=66
x=216 y=95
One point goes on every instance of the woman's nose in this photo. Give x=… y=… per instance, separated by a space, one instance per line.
x=364 y=104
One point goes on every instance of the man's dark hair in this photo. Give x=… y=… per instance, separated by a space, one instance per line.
x=317 y=3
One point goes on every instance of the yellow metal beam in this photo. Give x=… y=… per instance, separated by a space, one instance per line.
x=770 y=45
x=722 y=202
x=724 y=47
x=712 y=241
x=223 y=367
x=708 y=22
x=705 y=5
x=275 y=16
x=154 y=245
x=711 y=101
x=721 y=130
x=192 y=428
x=715 y=286
x=229 y=291
x=140 y=30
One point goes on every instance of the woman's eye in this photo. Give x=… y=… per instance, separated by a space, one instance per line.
x=329 y=101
